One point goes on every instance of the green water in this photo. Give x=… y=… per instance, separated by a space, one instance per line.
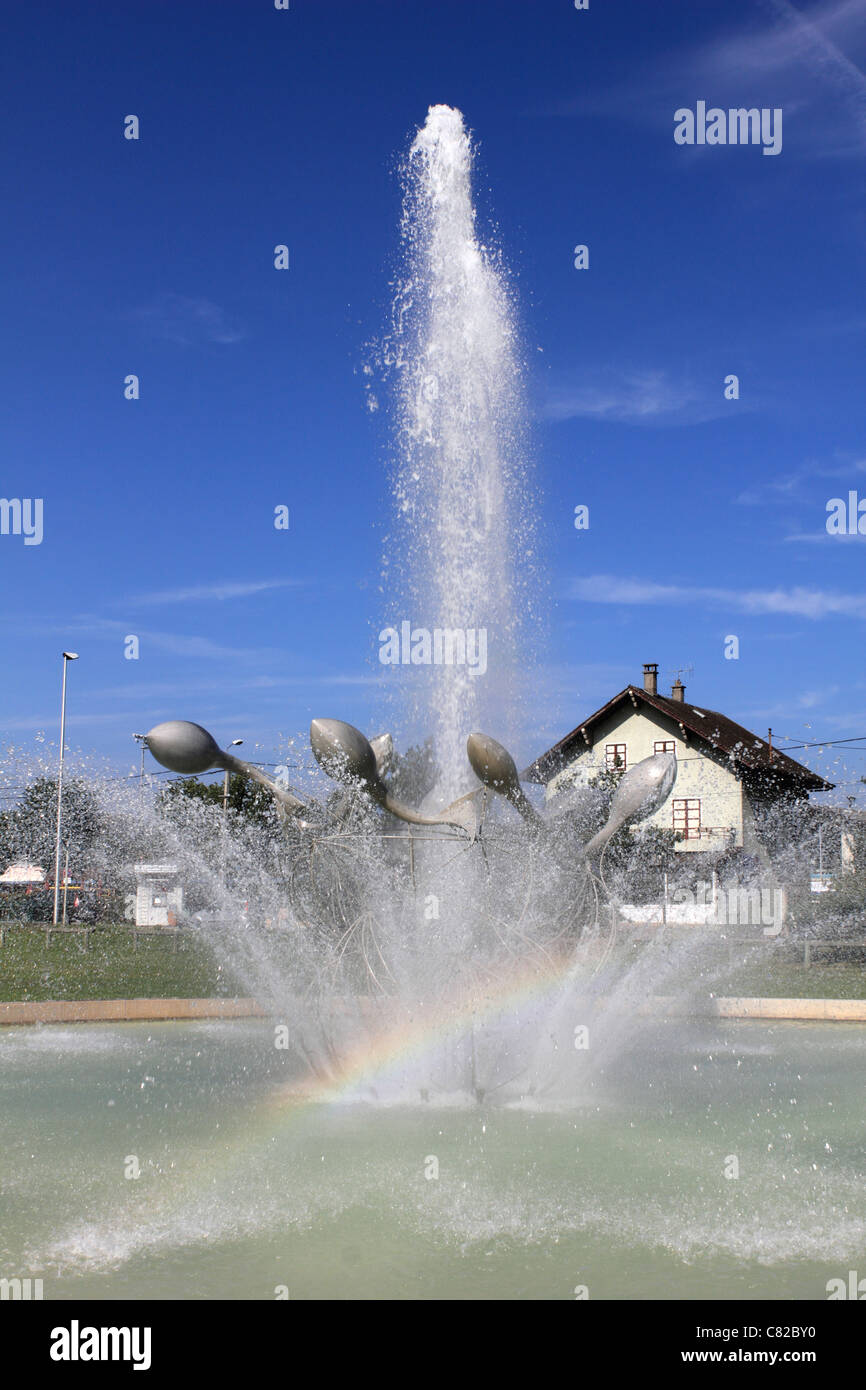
x=242 y=1192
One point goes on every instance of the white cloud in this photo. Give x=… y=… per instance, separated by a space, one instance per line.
x=642 y=397
x=821 y=536
x=187 y=320
x=352 y=680
x=178 y=643
x=792 y=485
x=219 y=591
x=797 y=602
x=799 y=61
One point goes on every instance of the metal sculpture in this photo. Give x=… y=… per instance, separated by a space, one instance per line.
x=188 y=748
x=548 y=868
x=345 y=754
x=358 y=764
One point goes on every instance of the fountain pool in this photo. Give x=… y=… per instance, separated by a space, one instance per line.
x=248 y=1188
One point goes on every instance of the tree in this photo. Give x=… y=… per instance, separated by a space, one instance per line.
x=28 y=831
x=27 y=835
x=248 y=846
x=247 y=800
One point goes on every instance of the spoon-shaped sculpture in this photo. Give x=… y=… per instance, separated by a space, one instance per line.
x=345 y=754
x=643 y=789
x=188 y=748
x=494 y=766
x=383 y=747
x=340 y=803
x=183 y=747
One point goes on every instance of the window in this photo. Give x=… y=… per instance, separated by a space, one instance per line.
x=665 y=746
x=687 y=817
x=614 y=755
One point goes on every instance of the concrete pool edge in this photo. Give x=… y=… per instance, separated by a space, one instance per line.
x=124 y=1010
x=835 y=1010
x=806 y=1010
x=154 y=1010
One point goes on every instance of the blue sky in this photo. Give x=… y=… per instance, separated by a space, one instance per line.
x=259 y=127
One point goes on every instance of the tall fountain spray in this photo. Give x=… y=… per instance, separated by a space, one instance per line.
x=438 y=923
x=461 y=442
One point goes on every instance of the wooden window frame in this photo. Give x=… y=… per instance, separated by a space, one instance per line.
x=612 y=751
x=684 y=806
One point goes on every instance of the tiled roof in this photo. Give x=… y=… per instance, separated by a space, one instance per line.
x=745 y=751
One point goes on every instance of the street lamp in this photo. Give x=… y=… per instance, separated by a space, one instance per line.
x=140 y=739
x=235 y=743
x=67 y=657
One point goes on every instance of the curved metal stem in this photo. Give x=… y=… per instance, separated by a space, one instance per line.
x=461 y=813
x=287 y=802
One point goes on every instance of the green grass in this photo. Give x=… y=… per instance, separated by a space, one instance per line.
x=758 y=971
x=769 y=972
x=786 y=980
x=110 y=969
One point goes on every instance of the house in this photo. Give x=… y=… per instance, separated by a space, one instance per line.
x=726 y=776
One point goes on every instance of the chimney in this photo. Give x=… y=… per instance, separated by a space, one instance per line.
x=678 y=691
x=651 y=677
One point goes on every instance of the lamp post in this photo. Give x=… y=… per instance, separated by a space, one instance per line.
x=140 y=740
x=67 y=657
x=65 y=884
x=235 y=743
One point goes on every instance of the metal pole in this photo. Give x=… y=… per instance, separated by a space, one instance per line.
x=67 y=656
x=141 y=741
x=235 y=743
x=821 y=852
x=65 y=884
x=223 y=829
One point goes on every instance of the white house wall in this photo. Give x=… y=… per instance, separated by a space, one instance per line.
x=698 y=776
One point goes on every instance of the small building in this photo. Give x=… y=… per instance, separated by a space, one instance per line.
x=158 y=895
x=725 y=774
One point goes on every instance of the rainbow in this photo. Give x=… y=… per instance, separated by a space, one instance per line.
x=407 y=1033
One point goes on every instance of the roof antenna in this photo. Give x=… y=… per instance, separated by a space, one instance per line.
x=678 y=690
x=681 y=671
